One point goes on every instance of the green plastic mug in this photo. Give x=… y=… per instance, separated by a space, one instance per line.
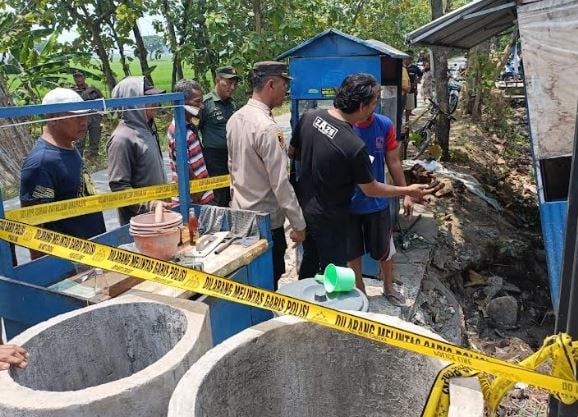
x=320 y=279
x=338 y=279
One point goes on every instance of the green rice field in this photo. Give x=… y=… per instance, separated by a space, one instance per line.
x=161 y=74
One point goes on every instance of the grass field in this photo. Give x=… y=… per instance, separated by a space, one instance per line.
x=161 y=74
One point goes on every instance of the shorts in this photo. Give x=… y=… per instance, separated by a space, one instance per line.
x=410 y=102
x=370 y=233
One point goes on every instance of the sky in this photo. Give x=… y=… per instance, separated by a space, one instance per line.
x=144 y=23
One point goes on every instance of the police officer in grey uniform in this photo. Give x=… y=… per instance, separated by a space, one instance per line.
x=258 y=160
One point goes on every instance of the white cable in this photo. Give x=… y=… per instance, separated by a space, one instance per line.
x=104 y=109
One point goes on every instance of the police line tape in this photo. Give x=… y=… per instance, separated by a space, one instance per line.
x=49 y=212
x=559 y=349
x=167 y=273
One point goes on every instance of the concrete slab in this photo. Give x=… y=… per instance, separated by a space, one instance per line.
x=287 y=368
x=411 y=276
x=119 y=358
x=409 y=267
x=465 y=399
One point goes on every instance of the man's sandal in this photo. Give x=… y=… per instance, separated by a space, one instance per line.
x=395 y=298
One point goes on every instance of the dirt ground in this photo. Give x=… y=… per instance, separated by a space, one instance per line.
x=483 y=253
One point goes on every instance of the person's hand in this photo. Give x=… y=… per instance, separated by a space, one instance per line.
x=297 y=236
x=167 y=205
x=12 y=355
x=418 y=191
x=407 y=206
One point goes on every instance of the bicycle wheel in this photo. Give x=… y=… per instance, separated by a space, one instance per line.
x=426 y=137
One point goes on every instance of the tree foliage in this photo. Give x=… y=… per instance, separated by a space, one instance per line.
x=155 y=46
x=31 y=69
x=205 y=34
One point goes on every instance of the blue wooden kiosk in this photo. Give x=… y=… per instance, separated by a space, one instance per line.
x=320 y=64
x=25 y=296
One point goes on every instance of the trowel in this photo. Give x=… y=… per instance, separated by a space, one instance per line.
x=229 y=239
x=206 y=244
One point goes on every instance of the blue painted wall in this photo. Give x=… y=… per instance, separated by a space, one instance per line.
x=311 y=75
x=553 y=219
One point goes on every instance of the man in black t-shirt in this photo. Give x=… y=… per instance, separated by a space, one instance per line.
x=333 y=160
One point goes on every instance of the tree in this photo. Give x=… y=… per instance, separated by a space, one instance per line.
x=170 y=12
x=141 y=53
x=154 y=45
x=15 y=141
x=32 y=70
x=120 y=35
x=89 y=19
x=440 y=74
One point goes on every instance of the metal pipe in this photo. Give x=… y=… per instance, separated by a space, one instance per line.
x=182 y=159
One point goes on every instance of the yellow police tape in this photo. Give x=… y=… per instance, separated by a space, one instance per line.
x=49 y=212
x=94 y=254
x=559 y=349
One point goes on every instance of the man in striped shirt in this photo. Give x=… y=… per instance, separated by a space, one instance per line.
x=197 y=168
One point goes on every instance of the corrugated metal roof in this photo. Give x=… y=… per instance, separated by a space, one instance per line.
x=467 y=26
x=391 y=51
x=370 y=47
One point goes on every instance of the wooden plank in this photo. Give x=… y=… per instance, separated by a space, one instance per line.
x=94 y=289
x=113 y=283
x=224 y=264
x=509 y=84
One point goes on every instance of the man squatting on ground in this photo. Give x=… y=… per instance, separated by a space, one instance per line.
x=333 y=161
x=134 y=153
x=258 y=160
x=54 y=170
x=197 y=168
x=370 y=226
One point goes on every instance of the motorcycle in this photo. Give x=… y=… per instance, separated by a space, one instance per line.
x=454 y=89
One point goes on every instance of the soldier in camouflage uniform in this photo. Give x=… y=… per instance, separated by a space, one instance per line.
x=88 y=92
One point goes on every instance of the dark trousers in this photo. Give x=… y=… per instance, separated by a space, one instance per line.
x=216 y=161
x=325 y=243
x=279 y=248
x=94 y=133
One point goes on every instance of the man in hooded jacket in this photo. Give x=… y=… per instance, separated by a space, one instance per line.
x=134 y=154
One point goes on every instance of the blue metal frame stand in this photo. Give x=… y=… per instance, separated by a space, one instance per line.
x=25 y=299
